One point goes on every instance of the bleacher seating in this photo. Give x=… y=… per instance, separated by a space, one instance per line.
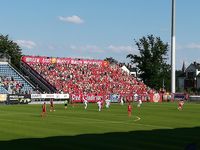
x=3 y=90
x=86 y=78
x=11 y=82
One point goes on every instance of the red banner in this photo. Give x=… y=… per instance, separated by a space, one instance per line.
x=77 y=98
x=155 y=97
x=52 y=60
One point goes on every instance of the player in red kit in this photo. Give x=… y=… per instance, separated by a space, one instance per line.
x=180 y=104
x=51 y=105
x=44 y=109
x=129 y=109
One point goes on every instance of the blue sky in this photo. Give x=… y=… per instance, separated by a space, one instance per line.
x=99 y=28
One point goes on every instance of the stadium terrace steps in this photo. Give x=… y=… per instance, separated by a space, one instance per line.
x=11 y=77
x=3 y=90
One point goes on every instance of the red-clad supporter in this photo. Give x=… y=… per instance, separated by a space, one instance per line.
x=11 y=85
x=90 y=79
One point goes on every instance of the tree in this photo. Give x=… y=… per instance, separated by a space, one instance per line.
x=151 y=61
x=10 y=48
x=111 y=60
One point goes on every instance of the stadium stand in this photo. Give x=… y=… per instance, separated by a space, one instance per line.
x=3 y=90
x=41 y=84
x=12 y=82
x=81 y=76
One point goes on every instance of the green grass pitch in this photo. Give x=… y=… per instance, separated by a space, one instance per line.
x=161 y=126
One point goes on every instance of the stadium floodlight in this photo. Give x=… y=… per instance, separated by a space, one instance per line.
x=173 y=52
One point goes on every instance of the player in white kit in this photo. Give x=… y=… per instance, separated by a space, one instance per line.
x=107 y=103
x=139 y=103
x=99 y=105
x=85 y=102
x=122 y=101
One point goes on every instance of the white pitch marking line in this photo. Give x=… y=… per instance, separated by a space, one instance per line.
x=138 y=118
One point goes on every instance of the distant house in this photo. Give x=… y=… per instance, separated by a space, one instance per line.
x=133 y=71
x=130 y=69
x=190 y=77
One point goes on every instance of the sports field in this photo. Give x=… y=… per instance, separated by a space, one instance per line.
x=153 y=126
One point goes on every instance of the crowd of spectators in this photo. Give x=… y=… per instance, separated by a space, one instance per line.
x=11 y=85
x=89 y=79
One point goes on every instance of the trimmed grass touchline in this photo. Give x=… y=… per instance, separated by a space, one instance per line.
x=120 y=122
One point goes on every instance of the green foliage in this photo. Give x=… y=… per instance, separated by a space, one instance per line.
x=111 y=60
x=10 y=48
x=151 y=62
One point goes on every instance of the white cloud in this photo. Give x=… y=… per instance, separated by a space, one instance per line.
x=92 y=48
x=87 y=48
x=193 y=46
x=71 y=19
x=107 y=49
x=119 y=49
x=73 y=47
x=51 y=47
x=188 y=46
x=26 y=44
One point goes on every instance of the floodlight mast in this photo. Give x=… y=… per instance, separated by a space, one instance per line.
x=173 y=52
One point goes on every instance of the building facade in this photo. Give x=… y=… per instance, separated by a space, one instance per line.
x=190 y=77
